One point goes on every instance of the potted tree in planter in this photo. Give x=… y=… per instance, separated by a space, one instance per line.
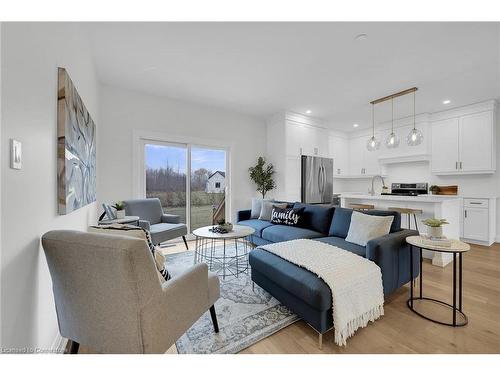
x=262 y=175
x=120 y=209
x=435 y=227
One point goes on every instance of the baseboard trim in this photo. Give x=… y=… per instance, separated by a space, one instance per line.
x=59 y=344
x=497 y=239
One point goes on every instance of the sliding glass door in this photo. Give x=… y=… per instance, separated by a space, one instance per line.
x=199 y=200
x=208 y=186
x=166 y=170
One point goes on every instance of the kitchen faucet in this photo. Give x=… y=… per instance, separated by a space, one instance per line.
x=372 y=191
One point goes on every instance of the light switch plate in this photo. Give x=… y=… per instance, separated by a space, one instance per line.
x=16 y=154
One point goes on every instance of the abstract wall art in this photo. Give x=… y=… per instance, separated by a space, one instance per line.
x=76 y=148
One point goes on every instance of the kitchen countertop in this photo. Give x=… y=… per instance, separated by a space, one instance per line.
x=420 y=198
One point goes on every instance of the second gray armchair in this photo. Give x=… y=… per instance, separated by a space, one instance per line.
x=161 y=226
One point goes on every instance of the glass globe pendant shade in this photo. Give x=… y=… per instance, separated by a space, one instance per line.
x=414 y=138
x=373 y=144
x=392 y=140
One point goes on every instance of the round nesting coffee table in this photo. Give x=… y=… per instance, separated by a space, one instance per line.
x=215 y=250
x=126 y=220
x=457 y=248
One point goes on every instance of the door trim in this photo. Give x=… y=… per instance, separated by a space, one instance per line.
x=138 y=170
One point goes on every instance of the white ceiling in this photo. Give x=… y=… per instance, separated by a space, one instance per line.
x=263 y=68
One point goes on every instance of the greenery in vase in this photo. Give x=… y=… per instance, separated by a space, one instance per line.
x=262 y=175
x=119 y=206
x=435 y=222
x=434 y=189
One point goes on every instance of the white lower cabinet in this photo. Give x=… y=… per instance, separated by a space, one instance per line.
x=479 y=220
x=476 y=223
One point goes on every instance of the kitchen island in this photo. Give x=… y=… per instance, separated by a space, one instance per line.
x=437 y=206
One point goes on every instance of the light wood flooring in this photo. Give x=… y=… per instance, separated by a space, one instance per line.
x=402 y=331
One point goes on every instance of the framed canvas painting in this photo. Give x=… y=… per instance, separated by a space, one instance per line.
x=76 y=148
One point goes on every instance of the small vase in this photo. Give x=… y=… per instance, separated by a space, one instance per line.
x=436 y=232
x=120 y=214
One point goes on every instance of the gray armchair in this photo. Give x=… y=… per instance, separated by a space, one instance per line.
x=163 y=227
x=108 y=296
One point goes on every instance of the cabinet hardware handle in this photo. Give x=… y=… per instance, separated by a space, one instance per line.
x=456 y=165
x=465 y=213
x=460 y=165
x=475 y=202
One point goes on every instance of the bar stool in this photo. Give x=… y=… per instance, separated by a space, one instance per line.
x=409 y=212
x=361 y=207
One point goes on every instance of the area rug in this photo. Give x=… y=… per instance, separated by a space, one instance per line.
x=245 y=316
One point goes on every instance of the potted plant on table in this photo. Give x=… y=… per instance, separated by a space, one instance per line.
x=120 y=209
x=435 y=227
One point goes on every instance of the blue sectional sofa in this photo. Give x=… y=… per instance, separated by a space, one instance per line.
x=302 y=291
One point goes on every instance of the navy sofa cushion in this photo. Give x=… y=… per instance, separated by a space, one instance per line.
x=315 y=217
x=258 y=225
x=343 y=244
x=300 y=282
x=280 y=233
x=342 y=220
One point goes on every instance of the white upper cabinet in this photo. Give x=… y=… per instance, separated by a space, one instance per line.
x=361 y=161
x=338 y=151
x=476 y=142
x=304 y=139
x=445 y=146
x=465 y=143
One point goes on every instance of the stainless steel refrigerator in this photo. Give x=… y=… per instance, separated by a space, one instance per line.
x=317 y=179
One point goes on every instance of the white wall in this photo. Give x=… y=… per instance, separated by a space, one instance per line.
x=31 y=53
x=124 y=113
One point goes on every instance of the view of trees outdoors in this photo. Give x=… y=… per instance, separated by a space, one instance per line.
x=166 y=180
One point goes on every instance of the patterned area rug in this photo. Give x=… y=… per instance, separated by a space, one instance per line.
x=245 y=316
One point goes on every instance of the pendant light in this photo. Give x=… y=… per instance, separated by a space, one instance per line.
x=415 y=137
x=373 y=143
x=392 y=140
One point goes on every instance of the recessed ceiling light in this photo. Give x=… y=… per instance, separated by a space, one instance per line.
x=361 y=37
x=308 y=111
x=447 y=101
x=355 y=125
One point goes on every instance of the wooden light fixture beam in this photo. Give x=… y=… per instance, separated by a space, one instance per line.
x=392 y=96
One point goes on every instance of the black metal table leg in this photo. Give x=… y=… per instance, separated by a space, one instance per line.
x=411 y=276
x=421 y=273
x=460 y=281
x=454 y=289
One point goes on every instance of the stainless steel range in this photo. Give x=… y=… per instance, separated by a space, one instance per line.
x=408 y=189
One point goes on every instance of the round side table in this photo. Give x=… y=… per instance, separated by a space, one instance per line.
x=224 y=261
x=457 y=248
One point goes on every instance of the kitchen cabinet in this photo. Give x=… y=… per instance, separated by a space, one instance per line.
x=361 y=161
x=302 y=139
x=475 y=220
x=464 y=144
x=444 y=149
x=338 y=151
x=476 y=143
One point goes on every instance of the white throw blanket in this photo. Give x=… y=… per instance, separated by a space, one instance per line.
x=355 y=282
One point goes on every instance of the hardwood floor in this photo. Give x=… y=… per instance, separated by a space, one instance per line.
x=402 y=331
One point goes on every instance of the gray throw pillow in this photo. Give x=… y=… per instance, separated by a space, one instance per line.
x=267 y=209
x=256 y=208
x=364 y=227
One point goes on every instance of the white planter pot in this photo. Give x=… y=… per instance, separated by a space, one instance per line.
x=435 y=232
x=120 y=214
